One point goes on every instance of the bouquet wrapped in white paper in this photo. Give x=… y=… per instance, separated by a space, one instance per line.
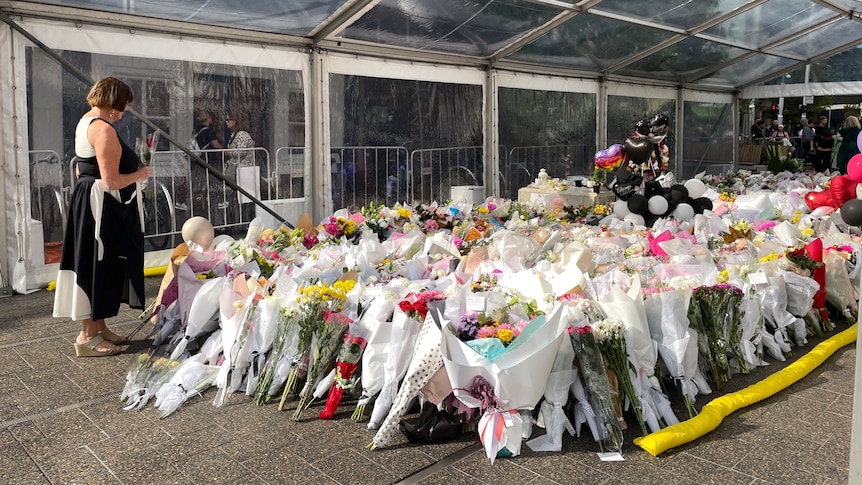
x=667 y=315
x=425 y=362
x=516 y=374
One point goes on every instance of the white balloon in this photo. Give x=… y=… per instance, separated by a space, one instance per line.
x=695 y=187
x=621 y=208
x=222 y=240
x=199 y=230
x=657 y=205
x=683 y=212
x=635 y=219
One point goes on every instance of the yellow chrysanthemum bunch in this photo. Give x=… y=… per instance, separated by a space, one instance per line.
x=601 y=210
x=769 y=257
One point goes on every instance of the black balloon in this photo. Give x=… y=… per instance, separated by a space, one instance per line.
x=625 y=184
x=638 y=204
x=638 y=150
x=671 y=206
x=642 y=127
x=701 y=204
x=658 y=127
x=678 y=193
x=851 y=212
x=652 y=188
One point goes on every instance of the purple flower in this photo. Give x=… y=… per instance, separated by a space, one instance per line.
x=468 y=327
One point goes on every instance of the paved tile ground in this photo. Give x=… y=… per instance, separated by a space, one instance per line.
x=61 y=423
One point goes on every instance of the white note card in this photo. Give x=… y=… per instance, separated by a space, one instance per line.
x=611 y=456
x=476 y=304
x=758 y=278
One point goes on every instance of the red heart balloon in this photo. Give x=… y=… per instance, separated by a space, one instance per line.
x=842 y=188
x=818 y=199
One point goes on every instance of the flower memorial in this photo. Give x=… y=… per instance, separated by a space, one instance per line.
x=586 y=317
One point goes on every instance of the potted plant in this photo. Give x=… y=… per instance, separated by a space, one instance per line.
x=598 y=179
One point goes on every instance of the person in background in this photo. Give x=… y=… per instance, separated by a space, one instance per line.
x=807 y=148
x=757 y=131
x=102 y=264
x=206 y=139
x=807 y=135
x=241 y=143
x=780 y=136
x=823 y=143
x=772 y=128
x=847 y=135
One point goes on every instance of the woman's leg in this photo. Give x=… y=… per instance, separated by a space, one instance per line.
x=90 y=329
x=109 y=335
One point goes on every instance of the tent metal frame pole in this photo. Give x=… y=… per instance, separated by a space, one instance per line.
x=83 y=77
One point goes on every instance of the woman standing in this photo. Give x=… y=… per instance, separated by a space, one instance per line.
x=103 y=249
x=241 y=143
x=780 y=135
x=847 y=135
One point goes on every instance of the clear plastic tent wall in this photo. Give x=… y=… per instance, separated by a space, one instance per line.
x=350 y=102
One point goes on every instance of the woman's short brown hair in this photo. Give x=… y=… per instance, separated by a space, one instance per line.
x=110 y=92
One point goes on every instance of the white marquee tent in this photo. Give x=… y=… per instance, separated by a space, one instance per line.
x=351 y=101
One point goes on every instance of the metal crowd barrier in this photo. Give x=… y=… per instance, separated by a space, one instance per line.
x=361 y=175
x=432 y=172
x=195 y=193
x=180 y=189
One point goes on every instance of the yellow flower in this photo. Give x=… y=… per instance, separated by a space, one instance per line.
x=722 y=276
x=769 y=257
x=505 y=335
x=403 y=213
x=201 y=276
x=601 y=210
x=742 y=226
x=727 y=196
x=349 y=227
x=482 y=210
x=796 y=216
x=808 y=232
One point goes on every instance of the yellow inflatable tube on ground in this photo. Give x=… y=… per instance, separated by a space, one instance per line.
x=157 y=271
x=716 y=410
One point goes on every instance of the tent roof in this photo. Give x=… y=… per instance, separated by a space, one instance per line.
x=712 y=44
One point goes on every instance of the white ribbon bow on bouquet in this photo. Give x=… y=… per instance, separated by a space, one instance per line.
x=190 y=378
x=557 y=387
